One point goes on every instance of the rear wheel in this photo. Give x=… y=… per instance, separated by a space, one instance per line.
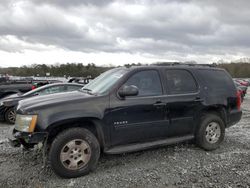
x=211 y=132
x=74 y=152
x=10 y=116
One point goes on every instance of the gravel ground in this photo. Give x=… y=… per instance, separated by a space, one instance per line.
x=182 y=165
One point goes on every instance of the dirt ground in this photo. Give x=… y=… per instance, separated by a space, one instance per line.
x=183 y=165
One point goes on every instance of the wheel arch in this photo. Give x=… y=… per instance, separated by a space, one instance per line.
x=219 y=110
x=92 y=124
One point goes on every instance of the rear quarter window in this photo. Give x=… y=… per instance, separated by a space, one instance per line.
x=216 y=80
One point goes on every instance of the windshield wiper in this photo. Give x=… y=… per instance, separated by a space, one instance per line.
x=86 y=89
x=89 y=91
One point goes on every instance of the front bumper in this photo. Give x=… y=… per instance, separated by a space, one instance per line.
x=2 y=111
x=16 y=138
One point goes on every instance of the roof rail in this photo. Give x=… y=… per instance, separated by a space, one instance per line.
x=184 y=64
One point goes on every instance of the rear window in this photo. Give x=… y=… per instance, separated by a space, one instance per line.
x=216 y=80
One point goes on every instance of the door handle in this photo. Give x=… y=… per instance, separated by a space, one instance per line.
x=198 y=99
x=159 y=104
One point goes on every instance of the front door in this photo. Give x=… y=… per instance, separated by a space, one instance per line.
x=143 y=117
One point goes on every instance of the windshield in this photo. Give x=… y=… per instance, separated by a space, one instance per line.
x=105 y=81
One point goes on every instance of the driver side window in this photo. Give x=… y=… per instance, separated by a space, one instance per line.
x=148 y=83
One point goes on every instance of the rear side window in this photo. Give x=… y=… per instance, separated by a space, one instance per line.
x=216 y=80
x=180 y=82
x=148 y=82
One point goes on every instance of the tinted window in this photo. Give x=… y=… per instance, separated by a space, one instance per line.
x=216 y=80
x=148 y=83
x=73 y=88
x=180 y=82
x=50 y=90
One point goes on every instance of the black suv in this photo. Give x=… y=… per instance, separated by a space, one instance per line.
x=129 y=109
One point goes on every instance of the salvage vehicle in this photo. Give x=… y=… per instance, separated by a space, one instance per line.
x=126 y=110
x=9 y=103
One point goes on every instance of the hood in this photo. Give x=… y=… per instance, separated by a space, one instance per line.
x=63 y=98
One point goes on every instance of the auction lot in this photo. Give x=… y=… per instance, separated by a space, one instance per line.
x=183 y=165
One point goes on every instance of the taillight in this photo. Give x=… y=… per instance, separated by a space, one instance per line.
x=33 y=87
x=238 y=102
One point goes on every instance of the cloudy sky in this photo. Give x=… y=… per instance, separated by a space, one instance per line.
x=118 y=32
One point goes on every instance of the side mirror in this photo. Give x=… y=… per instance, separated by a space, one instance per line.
x=128 y=91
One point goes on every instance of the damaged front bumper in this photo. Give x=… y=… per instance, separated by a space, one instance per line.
x=17 y=138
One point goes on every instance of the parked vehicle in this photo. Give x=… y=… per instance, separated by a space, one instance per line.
x=8 y=87
x=242 y=82
x=8 y=104
x=79 y=80
x=241 y=89
x=126 y=110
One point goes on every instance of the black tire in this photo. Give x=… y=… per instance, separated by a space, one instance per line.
x=10 y=115
x=61 y=141
x=202 y=134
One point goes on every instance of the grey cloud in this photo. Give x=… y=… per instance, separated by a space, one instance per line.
x=72 y=3
x=153 y=27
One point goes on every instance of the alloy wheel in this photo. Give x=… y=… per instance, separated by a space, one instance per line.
x=75 y=154
x=213 y=132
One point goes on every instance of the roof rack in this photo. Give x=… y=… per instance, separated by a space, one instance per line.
x=184 y=64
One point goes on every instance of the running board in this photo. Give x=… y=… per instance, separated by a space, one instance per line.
x=147 y=145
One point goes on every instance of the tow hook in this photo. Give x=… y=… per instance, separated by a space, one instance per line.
x=14 y=143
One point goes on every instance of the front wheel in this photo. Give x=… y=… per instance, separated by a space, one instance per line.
x=74 y=152
x=211 y=132
x=10 y=116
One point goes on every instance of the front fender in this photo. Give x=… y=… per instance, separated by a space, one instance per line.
x=46 y=119
x=75 y=120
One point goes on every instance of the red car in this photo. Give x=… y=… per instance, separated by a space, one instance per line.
x=242 y=82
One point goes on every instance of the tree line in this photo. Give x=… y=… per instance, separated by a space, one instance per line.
x=239 y=70
x=59 y=70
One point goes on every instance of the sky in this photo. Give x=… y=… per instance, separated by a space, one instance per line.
x=120 y=32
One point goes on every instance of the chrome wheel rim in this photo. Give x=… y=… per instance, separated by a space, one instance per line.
x=12 y=116
x=75 y=154
x=213 y=132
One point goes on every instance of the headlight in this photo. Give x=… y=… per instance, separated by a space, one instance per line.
x=25 y=123
x=1 y=103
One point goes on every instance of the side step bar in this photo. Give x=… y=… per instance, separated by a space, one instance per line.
x=147 y=145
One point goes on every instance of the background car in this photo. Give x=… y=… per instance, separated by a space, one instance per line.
x=242 y=82
x=242 y=89
x=8 y=104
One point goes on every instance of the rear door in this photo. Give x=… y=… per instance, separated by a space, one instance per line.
x=183 y=101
